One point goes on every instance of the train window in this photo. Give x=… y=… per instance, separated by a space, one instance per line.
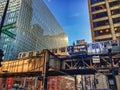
x=30 y=54
x=37 y=53
x=106 y=43
x=20 y=55
x=23 y=55
x=55 y=50
x=114 y=42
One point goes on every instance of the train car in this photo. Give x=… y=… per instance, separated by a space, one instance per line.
x=59 y=51
x=89 y=48
x=28 y=54
x=102 y=46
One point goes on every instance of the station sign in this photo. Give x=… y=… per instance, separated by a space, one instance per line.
x=96 y=59
x=76 y=49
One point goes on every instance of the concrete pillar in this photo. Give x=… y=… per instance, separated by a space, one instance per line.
x=110 y=20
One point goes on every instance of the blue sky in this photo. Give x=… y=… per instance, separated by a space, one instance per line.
x=73 y=16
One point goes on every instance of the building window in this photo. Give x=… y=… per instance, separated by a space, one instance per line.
x=117 y=29
x=100 y=7
x=116 y=20
x=96 y=1
x=116 y=11
x=106 y=39
x=99 y=15
x=100 y=23
x=102 y=32
x=112 y=4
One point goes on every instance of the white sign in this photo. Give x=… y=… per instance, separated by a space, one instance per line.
x=96 y=59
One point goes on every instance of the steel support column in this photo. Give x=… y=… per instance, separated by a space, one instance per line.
x=24 y=82
x=112 y=68
x=95 y=87
x=84 y=68
x=75 y=82
x=46 y=70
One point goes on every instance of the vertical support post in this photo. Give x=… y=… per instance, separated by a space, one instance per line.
x=95 y=87
x=75 y=82
x=24 y=82
x=84 y=68
x=112 y=68
x=3 y=17
x=82 y=82
x=110 y=20
x=35 y=85
x=45 y=79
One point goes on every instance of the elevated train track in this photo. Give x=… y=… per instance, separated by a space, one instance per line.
x=69 y=65
x=47 y=63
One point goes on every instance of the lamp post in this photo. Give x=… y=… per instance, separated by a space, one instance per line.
x=112 y=67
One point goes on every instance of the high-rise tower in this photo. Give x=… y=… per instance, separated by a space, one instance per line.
x=104 y=19
x=29 y=25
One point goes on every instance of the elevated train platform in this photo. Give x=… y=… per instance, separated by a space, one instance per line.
x=76 y=62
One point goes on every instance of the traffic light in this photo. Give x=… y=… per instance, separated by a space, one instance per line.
x=1 y=55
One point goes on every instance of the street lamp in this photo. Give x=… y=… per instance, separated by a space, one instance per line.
x=112 y=67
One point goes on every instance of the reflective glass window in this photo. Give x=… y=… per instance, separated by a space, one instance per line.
x=112 y=4
x=100 y=23
x=116 y=20
x=99 y=15
x=96 y=1
x=100 y=7
x=102 y=32
x=116 y=11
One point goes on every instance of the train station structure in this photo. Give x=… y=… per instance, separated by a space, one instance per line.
x=94 y=66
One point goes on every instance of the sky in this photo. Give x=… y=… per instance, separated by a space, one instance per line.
x=73 y=16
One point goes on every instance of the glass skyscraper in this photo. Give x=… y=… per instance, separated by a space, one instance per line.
x=29 y=25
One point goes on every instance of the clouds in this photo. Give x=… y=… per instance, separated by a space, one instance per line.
x=75 y=14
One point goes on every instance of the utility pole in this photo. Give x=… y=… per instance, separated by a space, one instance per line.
x=3 y=17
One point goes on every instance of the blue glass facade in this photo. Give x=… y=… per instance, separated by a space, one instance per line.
x=34 y=26
x=96 y=1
